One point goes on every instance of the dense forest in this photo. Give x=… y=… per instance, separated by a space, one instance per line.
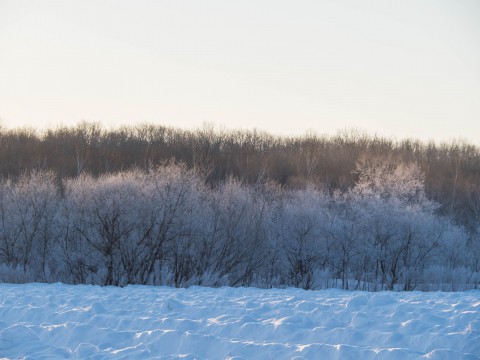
x=156 y=205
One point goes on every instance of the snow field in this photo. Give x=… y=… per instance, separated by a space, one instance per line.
x=40 y=321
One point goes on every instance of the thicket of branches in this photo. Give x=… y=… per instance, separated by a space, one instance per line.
x=452 y=170
x=168 y=225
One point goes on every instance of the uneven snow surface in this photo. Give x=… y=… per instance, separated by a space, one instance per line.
x=39 y=321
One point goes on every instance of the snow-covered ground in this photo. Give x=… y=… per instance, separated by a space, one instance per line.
x=40 y=321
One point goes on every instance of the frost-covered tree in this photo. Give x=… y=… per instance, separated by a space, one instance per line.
x=301 y=237
x=398 y=220
x=28 y=212
x=175 y=199
x=104 y=214
x=237 y=232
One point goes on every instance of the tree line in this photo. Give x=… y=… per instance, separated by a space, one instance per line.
x=452 y=170
x=175 y=224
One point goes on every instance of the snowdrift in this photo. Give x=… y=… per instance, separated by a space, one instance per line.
x=143 y=322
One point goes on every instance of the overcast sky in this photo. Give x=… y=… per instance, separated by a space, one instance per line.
x=395 y=68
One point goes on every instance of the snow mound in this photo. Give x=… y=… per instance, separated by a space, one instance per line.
x=142 y=322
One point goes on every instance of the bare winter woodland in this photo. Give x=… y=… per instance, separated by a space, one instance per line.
x=155 y=205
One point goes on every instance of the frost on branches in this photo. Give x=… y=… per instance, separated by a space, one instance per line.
x=166 y=226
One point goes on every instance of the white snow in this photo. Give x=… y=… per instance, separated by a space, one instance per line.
x=39 y=321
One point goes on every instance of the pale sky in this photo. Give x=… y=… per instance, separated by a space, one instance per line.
x=393 y=68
